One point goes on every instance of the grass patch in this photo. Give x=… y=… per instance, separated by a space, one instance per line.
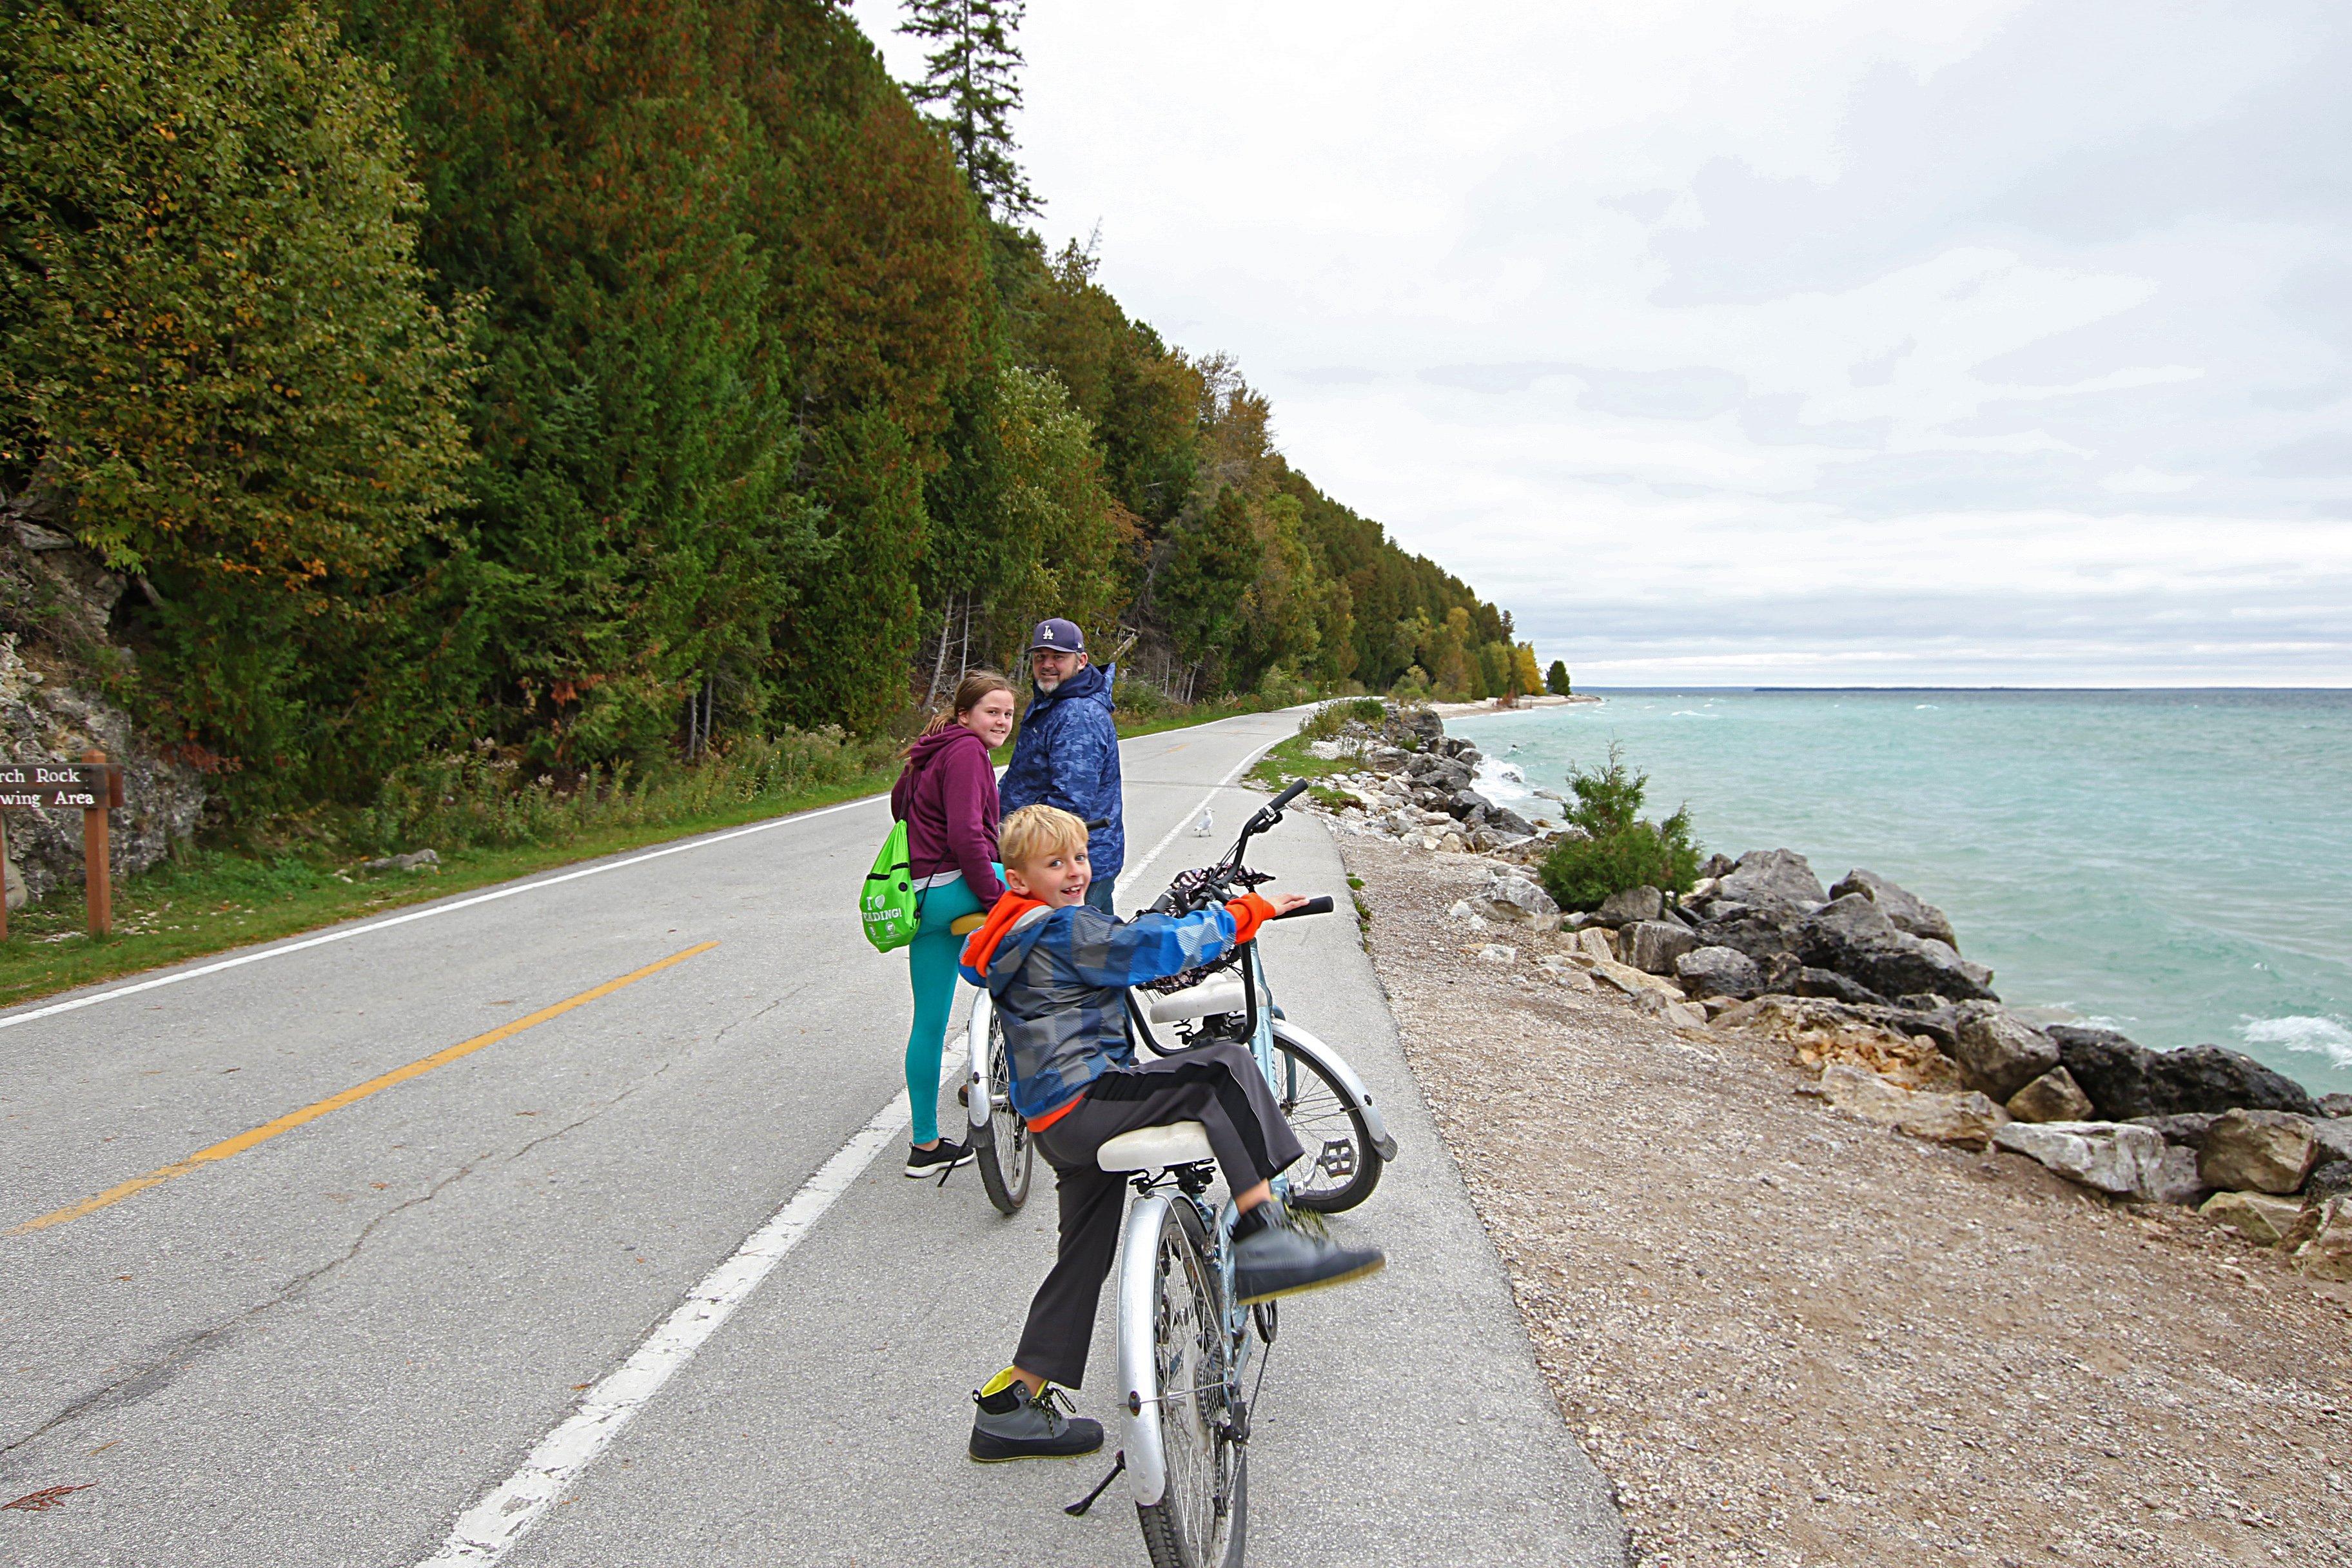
x=205 y=900
x=1290 y=759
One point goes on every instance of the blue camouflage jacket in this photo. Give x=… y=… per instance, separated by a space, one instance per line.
x=1059 y=977
x=1068 y=756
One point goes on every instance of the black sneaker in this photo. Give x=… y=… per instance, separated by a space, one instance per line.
x=1283 y=1258
x=939 y=1159
x=1009 y=1424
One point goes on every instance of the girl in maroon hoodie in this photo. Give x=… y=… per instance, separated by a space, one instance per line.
x=947 y=797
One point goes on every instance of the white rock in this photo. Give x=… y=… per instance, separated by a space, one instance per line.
x=1633 y=982
x=1967 y=1118
x=2109 y=1156
x=1517 y=900
x=1496 y=952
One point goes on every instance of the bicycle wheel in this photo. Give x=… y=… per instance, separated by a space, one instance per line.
x=1200 y=1518
x=1002 y=1146
x=1341 y=1167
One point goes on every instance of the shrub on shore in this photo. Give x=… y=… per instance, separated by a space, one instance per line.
x=1620 y=850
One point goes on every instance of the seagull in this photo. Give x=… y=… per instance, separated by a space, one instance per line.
x=1206 y=825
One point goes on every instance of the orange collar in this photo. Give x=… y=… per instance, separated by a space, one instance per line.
x=1007 y=912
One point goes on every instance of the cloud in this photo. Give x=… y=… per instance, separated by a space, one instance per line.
x=1999 y=339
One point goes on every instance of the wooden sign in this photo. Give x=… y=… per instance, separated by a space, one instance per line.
x=80 y=786
x=94 y=785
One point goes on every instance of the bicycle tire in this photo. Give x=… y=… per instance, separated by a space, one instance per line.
x=1341 y=1167
x=1001 y=1146
x=1202 y=1520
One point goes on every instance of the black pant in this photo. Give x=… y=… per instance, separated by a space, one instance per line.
x=1218 y=1086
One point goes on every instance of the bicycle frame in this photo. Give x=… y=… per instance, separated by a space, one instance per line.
x=1265 y=1025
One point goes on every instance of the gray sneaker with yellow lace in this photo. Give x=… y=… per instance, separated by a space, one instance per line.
x=1010 y=1425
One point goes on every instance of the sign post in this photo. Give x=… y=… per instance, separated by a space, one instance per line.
x=95 y=785
x=97 y=862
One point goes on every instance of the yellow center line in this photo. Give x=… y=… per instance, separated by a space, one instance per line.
x=351 y=1096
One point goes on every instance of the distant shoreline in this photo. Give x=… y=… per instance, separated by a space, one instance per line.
x=1491 y=706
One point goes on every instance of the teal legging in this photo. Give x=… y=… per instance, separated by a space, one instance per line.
x=931 y=965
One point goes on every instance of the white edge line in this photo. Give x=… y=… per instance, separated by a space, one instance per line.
x=347 y=932
x=492 y=1527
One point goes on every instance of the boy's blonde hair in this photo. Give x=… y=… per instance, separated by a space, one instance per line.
x=1036 y=831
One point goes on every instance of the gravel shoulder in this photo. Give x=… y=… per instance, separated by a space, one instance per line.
x=1793 y=1337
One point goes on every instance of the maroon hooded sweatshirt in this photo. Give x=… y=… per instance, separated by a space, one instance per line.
x=946 y=794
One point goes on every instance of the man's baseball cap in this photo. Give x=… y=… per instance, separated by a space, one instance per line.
x=1058 y=635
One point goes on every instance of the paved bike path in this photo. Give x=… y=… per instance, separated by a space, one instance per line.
x=329 y=1345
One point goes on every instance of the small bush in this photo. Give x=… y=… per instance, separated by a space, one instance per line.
x=1620 y=850
x=1141 y=700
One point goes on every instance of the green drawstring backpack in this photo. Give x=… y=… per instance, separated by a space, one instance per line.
x=890 y=907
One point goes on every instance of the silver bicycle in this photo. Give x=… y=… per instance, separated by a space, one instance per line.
x=1186 y=1346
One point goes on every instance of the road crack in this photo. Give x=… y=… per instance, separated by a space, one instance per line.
x=157 y=1371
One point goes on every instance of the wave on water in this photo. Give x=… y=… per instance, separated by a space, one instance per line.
x=1691 y=714
x=2319 y=1037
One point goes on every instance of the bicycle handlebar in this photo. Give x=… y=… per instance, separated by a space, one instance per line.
x=1319 y=905
x=1297 y=788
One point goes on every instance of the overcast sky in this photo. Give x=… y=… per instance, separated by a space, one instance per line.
x=1820 y=345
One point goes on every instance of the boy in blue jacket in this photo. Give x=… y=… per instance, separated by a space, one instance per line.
x=1058 y=969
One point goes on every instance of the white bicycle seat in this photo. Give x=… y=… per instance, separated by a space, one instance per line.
x=1156 y=1147
x=1219 y=994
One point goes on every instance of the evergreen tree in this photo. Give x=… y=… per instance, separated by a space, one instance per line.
x=970 y=73
x=1556 y=679
x=635 y=513
x=1210 y=565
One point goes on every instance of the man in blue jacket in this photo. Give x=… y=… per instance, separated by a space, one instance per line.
x=1066 y=754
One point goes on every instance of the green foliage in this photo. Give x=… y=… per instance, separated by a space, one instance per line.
x=218 y=367
x=1210 y=565
x=1619 y=850
x=1556 y=679
x=1329 y=719
x=1021 y=507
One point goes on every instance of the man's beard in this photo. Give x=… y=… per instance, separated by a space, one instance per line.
x=1047 y=682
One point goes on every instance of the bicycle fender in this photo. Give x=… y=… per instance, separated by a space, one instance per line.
x=1147 y=1462
x=975 y=1067
x=1307 y=1045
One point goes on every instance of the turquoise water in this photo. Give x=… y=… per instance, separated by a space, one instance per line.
x=2172 y=864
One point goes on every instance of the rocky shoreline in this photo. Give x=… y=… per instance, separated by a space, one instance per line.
x=1863 y=984
x=1794 y=1337
x=1813 y=1277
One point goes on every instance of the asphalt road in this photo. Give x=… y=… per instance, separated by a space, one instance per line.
x=328 y=1346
